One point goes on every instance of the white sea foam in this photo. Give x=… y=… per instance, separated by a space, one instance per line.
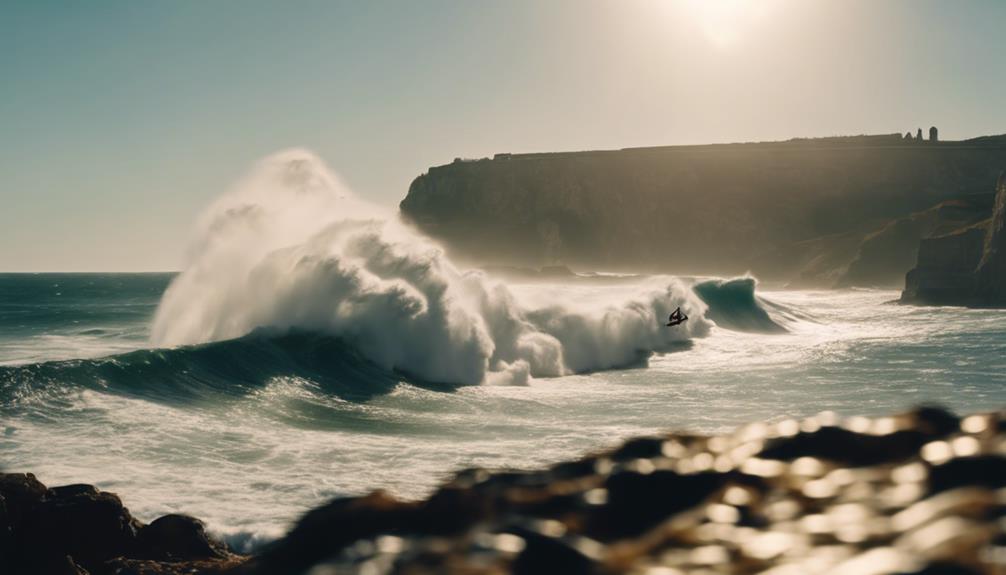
x=290 y=247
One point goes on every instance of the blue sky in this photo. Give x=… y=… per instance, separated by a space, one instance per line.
x=120 y=120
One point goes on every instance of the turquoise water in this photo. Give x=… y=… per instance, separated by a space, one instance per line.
x=249 y=433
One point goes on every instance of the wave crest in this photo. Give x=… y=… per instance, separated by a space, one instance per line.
x=734 y=305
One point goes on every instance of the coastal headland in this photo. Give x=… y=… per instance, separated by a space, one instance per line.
x=822 y=212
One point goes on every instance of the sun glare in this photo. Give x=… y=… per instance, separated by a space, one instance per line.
x=724 y=22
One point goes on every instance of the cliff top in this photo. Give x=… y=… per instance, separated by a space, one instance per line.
x=829 y=142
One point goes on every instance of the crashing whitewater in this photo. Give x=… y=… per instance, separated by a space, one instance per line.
x=290 y=248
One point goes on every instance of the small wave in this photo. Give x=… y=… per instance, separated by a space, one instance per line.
x=208 y=371
x=95 y=331
x=733 y=305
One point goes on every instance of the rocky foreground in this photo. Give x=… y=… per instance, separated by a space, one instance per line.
x=916 y=493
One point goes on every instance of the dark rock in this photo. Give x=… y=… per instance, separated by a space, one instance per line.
x=63 y=566
x=985 y=470
x=574 y=469
x=944 y=568
x=178 y=537
x=6 y=530
x=933 y=421
x=644 y=447
x=847 y=447
x=21 y=492
x=124 y=566
x=452 y=509
x=89 y=525
x=78 y=529
x=327 y=529
x=638 y=501
x=546 y=554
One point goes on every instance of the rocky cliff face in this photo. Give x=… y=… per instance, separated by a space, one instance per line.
x=884 y=256
x=787 y=211
x=965 y=267
x=945 y=272
x=991 y=280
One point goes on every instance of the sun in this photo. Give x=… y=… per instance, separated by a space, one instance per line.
x=724 y=22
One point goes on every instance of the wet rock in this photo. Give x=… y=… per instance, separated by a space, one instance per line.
x=639 y=447
x=21 y=492
x=78 y=529
x=544 y=553
x=848 y=447
x=64 y=566
x=6 y=530
x=945 y=569
x=78 y=520
x=325 y=531
x=983 y=470
x=173 y=537
x=124 y=566
x=638 y=501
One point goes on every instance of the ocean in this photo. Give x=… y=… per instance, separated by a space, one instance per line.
x=251 y=432
x=316 y=346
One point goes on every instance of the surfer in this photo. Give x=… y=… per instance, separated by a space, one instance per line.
x=676 y=318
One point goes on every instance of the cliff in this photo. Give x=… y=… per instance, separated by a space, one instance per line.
x=795 y=211
x=919 y=493
x=991 y=280
x=883 y=257
x=964 y=267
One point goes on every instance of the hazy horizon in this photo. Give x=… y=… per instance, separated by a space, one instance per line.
x=124 y=121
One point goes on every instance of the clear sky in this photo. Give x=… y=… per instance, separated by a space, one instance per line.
x=120 y=120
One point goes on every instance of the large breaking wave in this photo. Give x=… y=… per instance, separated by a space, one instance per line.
x=290 y=248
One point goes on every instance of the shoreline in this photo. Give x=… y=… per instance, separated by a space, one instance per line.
x=915 y=491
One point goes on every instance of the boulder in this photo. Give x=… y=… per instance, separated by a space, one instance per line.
x=90 y=526
x=174 y=537
x=80 y=530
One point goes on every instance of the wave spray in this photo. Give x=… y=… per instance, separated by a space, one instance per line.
x=291 y=248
